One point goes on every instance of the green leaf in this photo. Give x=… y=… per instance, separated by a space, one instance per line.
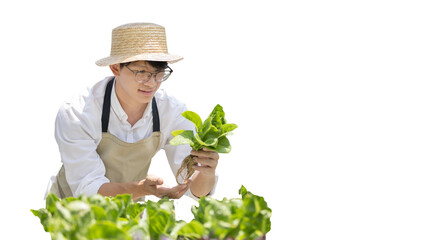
x=207 y=124
x=211 y=142
x=123 y=201
x=112 y=213
x=140 y=231
x=227 y=128
x=185 y=137
x=35 y=212
x=218 y=116
x=177 y=132
x=51 y=201
x=212 y=132
x=44 y=217
x=98 y=212
x=173 y=231
x=193 y=230
x=107 y=230
x=63 y=212
x=78 y=208
x=134 y=211
x=194 y=118
x=223 y=145
x=161 y=218
x=243 y=191
x=208 y=143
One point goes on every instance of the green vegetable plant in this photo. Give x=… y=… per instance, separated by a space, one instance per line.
x=247 y=217
x=94 y=217
x=98 y=217
x=161 y=220
x=211 y=134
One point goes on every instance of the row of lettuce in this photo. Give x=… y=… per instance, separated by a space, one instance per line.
x=98 y=217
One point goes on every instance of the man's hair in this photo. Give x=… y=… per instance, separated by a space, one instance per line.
x=156 y=64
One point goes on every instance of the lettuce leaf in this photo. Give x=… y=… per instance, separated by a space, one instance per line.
x=210 y=133
x=194 y=118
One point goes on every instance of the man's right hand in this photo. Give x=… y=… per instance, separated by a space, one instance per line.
x=153 y=185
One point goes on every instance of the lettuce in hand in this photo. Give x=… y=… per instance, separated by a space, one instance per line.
x=211 y=134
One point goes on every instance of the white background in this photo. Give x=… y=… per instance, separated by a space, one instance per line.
x=330 y=99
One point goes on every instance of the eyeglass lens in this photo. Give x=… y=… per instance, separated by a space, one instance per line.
x=159 y=77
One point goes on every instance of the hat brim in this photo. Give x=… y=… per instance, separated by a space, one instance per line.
x=163 y=57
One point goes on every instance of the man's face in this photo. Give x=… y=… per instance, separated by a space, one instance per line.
x=131 y=89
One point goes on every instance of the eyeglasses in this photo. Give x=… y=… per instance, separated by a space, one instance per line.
x=145 y=76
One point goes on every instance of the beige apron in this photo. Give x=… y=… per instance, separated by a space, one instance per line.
x=124 y=162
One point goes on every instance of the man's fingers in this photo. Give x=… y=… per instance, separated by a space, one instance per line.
x=205 y=154
x=183 y=191
x=180 y=194
x=175 y=192
x=207 y=162
x=153 y=180
x=203 y=170
x=180 y=188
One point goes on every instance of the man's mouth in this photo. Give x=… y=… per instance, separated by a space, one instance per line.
x=145 y=92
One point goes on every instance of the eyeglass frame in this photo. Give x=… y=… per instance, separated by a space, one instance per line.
x=151 y=74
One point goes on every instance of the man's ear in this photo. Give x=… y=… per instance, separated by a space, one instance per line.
x=115 y=68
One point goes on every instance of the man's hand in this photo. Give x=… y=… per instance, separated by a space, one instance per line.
x=153 y=185
x=208 y=161
x=203 y=179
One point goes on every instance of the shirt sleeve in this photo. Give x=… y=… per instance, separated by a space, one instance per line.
x=77 y=142
x=176 y=154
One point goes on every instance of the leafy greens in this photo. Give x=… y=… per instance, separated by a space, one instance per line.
x=212 y=133
x=98 y=217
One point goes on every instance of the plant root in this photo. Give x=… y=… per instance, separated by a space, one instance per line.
x=186 y=170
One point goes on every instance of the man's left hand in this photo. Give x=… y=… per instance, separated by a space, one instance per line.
x=208 y=160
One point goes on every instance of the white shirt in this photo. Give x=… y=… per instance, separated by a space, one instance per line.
x=78 y=132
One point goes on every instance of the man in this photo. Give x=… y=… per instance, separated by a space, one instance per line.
x=108 y=136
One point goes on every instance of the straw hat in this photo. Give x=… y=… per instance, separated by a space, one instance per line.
x=138 y=41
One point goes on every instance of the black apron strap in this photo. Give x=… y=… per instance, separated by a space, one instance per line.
x=106 y=106
x=105 y=118
x=156 y=119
